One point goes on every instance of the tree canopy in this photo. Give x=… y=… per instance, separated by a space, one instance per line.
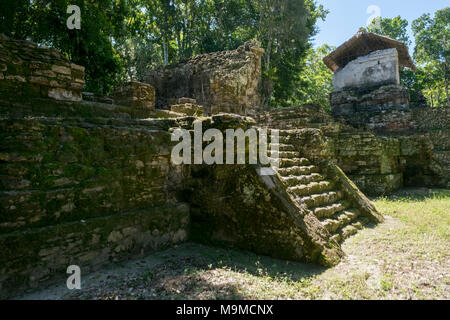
x=431 y=54
x=122 y=39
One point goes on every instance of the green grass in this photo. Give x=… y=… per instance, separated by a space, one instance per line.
x=425 y=211
x=406 y=257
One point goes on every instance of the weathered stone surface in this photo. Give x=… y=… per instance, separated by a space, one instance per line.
x=90 y=96
x=222 y=82
x=32 y=71
x=60 y=171
x=358 y=106
x=387 y=149
x=260 y=216
x=66 y=183
x=188 y=109
x=136 y=95
x=29 y=260
x=377 y=68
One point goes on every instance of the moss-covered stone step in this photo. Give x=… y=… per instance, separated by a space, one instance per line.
x=302 y=179
x=298 y=170
x=322 y=199
x=283 y=133
x=284 y=139
x=348 y=231
x=312 y=188
x=281 y=146
x=340 y=220
x=288 y=154
x=330 y=210
x=286 y=163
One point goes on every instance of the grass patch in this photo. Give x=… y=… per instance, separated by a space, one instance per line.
x=425 y=211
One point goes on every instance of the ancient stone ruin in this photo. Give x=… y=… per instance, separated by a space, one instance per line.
x=366 y=76
x=30 y=71
x=221 y=82
x=90 y=183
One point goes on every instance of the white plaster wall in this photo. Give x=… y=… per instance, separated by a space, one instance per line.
x=377 y=68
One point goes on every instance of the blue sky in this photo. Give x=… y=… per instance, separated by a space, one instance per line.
x=347 y=16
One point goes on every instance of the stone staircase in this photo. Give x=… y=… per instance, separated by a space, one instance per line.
x=308 y=184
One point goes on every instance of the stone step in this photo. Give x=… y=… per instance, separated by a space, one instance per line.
x=288 y=154
x=348 y=231
x=283 y=133
x=284 y=139
x=340 y=220
x=303 y=170
x=330 y=210
x=281 y=146
x=312 y=188
x=322 y=199
x=302 y=179
x=291 y=162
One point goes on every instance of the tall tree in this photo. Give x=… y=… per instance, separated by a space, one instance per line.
x=433 y=45
x=316 y=79
x=395 y=28
x=285 y=26
x=44 y=21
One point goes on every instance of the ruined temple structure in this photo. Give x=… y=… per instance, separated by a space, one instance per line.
x=413 y=141
x=89 y=183
x=366 y=77
x=225 y=81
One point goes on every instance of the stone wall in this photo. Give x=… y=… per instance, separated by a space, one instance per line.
x=371 y=162
x=136 y=95
x=359 y=106
x=384 y=152
x=91 y=191
x=31 y=71
x=378 y=68
x=227 y=81
x=86 y=192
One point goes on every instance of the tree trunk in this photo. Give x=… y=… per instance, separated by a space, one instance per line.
x=446 y=91
x=165 y=53
x=269 y=49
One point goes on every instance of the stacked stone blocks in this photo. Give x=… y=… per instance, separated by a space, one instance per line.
x=31 y=71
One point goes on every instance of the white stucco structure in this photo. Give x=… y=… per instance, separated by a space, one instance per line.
x=377 y=68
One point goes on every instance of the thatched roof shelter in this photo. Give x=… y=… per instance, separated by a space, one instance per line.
x=363 y=43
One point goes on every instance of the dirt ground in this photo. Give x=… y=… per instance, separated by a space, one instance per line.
x=406 y=257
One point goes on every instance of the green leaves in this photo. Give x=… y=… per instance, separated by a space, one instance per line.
x=395 y=28
x=432 y=52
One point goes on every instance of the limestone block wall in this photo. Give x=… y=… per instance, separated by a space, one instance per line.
x=84 y=192
x=371 y=162
x=227 y=81
x=385 y=150
x=357 y=107
x=378 y=68
x=426 y=156
x=31 y=71
x=134 y=94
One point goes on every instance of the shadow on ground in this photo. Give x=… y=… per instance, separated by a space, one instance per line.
x=195 y=271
